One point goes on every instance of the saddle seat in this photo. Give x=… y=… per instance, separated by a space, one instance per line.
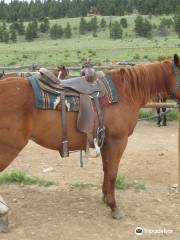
x=49 y=82
x=82 y=86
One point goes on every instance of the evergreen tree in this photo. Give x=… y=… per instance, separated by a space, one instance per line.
x=143 y=27
x=94 y=24
x=177 y=21
x=123 y=22
x=44 y=26
x=138 y=24
x=56 y=31
x=28 y=10
x=103 y=23
x=29 y=33
x=115 y=30
x=147 y=28
x=13 y=35
x=34 y=28
x=4 y=26
x=82 y=26
x=21 y=28
x=67 y=31
x=5 y=36
x=1 y=33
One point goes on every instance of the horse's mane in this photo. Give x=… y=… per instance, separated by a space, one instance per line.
x=143 y=81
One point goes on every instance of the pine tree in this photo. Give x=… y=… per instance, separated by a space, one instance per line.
x=5 y=36
x=21 y=28
x=82 y=26
x=177 y=21
x=138 y=24
x=123 y=22
x=44 y=26
x=94 y=24
x=56 y=31
x=115 y=30
x=34 y=28
x=29 y=33
x=67 y=31
x=13 y=35
x=143 y=27
x=103 y=23
x=147 y=28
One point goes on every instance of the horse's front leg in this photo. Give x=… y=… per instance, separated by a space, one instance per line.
x=112 y=151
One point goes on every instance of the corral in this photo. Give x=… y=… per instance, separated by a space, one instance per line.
x=73 y=209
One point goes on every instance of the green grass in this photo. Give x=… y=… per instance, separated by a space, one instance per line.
x=19 y=177
x=122 y=184
x=149 y=115
x=172 y=116
x=100 y=50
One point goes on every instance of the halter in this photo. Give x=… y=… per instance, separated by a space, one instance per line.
x=177 y=87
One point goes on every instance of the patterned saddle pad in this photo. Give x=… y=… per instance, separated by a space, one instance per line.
x=46 y=100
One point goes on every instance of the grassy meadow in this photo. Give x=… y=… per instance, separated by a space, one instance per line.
x=100 y=49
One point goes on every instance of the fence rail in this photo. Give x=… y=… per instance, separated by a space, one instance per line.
x=35 y=66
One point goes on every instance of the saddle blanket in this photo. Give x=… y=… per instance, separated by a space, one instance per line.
x=46 y=100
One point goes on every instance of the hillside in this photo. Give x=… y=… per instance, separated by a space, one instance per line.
x=100 y=49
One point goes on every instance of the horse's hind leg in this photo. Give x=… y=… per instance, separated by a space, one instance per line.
x=158 y=117
x=164 y=117
x=112 y=151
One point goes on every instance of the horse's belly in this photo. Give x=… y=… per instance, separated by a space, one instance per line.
x=47 y=130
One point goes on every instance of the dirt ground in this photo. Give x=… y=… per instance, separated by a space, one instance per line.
x=68 y=212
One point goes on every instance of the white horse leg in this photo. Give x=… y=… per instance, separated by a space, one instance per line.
x=3 y=215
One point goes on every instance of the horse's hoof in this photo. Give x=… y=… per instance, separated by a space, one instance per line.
x=118 y=214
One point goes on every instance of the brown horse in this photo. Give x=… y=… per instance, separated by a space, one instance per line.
x=61 y=72
x=21 y=121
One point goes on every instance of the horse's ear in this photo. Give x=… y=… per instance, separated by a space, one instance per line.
x=64 y=68
x=176 y=60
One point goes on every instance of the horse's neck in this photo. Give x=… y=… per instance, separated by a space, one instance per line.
x=141 y=83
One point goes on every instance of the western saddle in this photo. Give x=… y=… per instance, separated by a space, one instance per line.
x=89 y=89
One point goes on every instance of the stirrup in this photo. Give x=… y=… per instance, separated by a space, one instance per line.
x=98 y=150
